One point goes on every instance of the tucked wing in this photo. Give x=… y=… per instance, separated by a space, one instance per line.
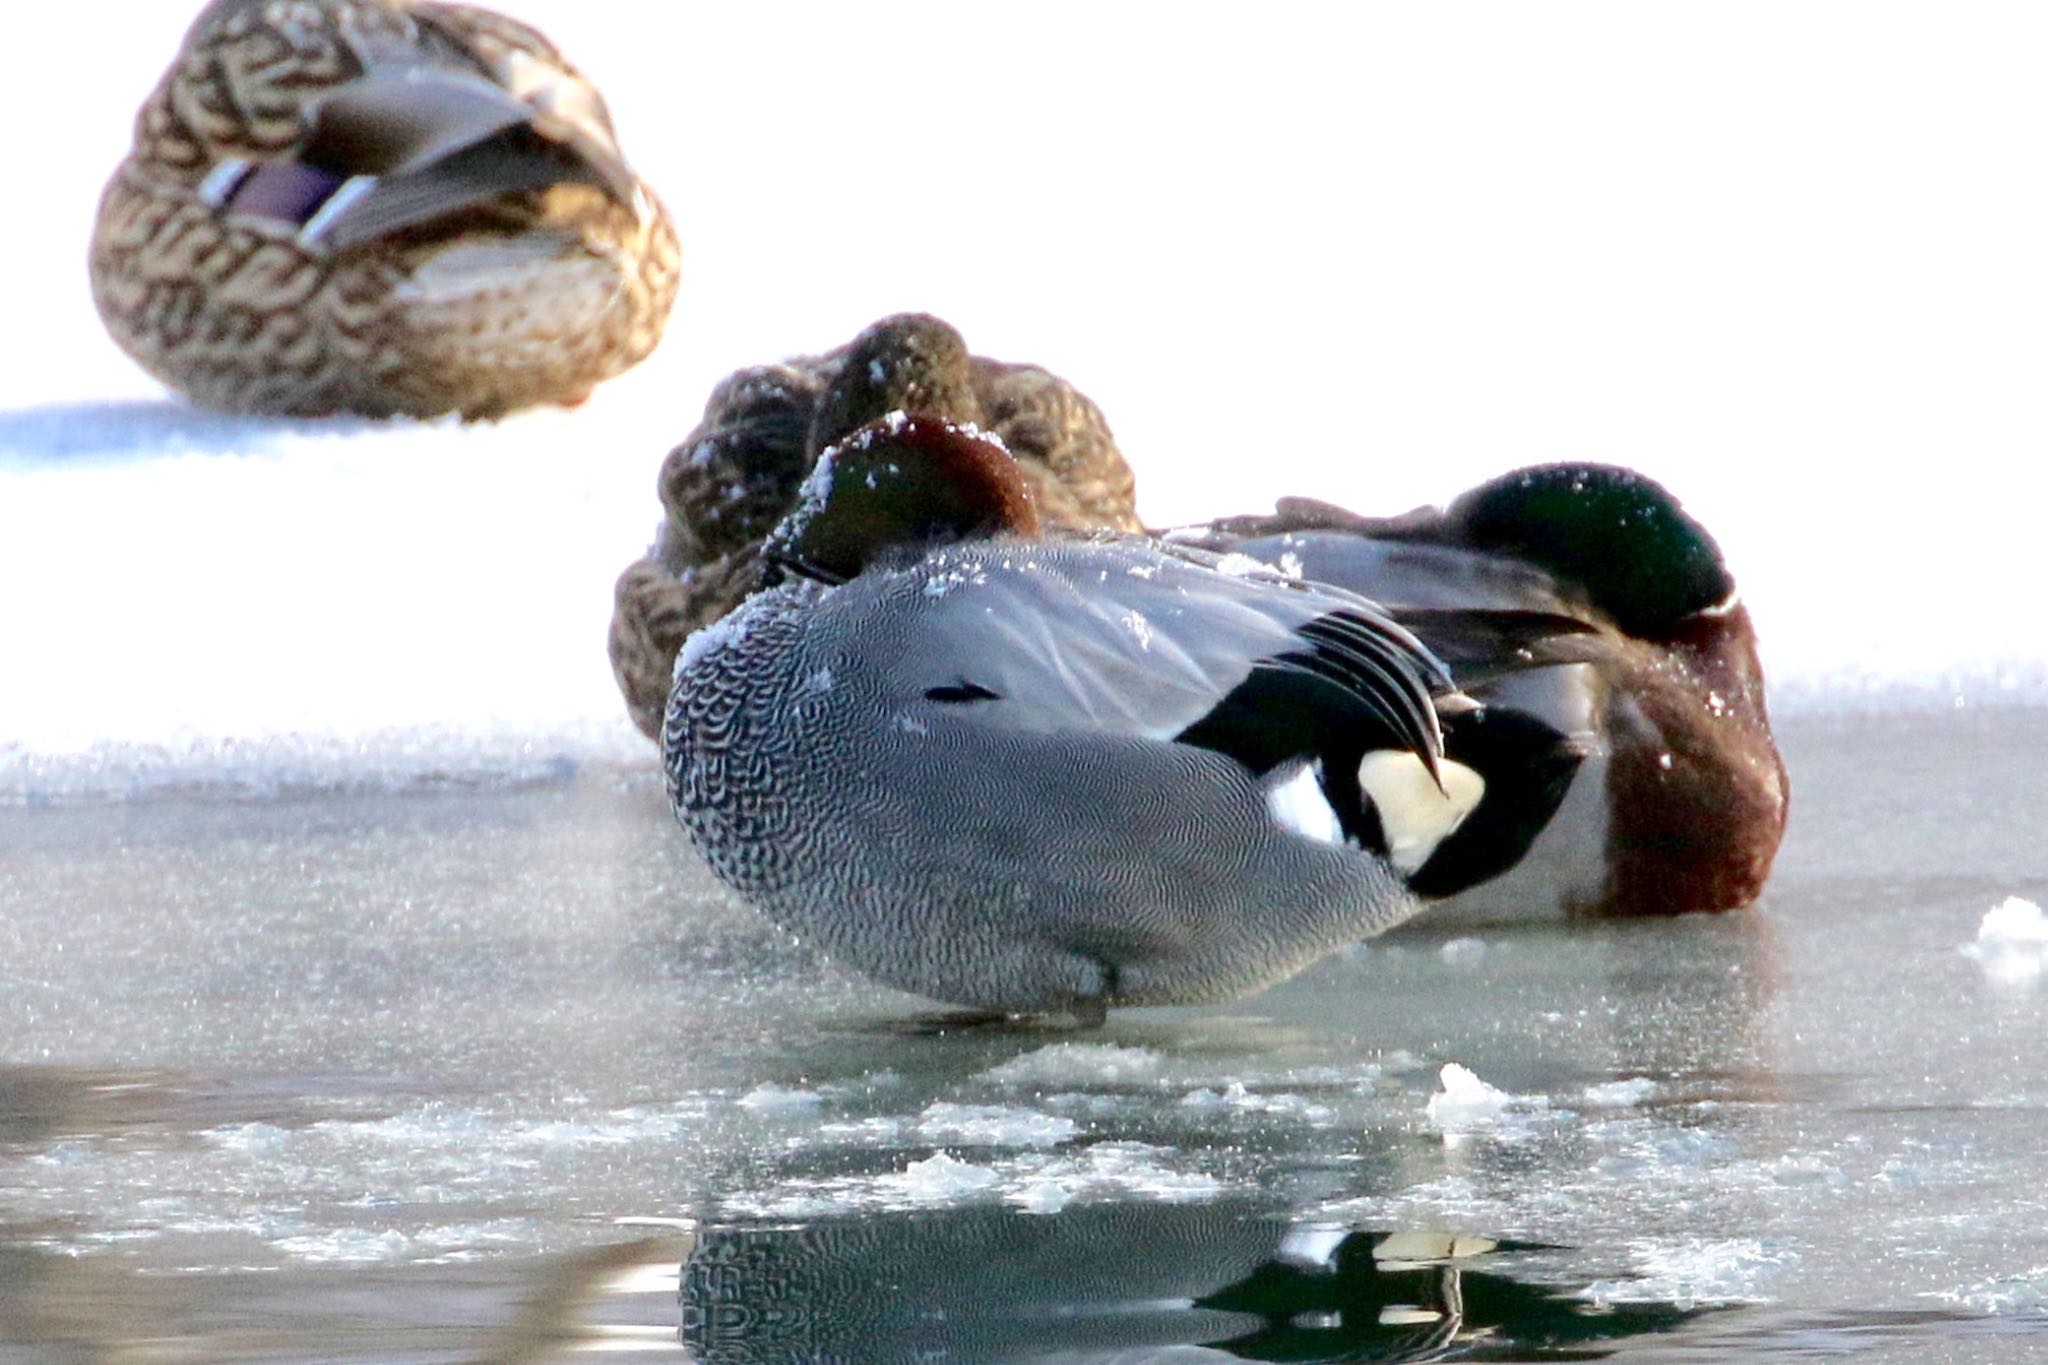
x=1105 y=637
x=403 y=146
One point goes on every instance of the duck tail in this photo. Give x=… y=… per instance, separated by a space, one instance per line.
x=1526 y=767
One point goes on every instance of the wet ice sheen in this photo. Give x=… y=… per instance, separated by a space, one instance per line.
x=276 y=1052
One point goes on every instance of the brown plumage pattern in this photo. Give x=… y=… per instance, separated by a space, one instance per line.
x=378 y=207
x=735 y=476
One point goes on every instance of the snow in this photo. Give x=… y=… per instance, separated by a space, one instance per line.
x=723 y=633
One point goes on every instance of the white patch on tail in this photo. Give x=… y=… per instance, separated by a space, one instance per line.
x=1295 y=799
x=1414 y=815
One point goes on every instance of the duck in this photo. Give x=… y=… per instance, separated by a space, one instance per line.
x=378 y=208
x=1055 y=774
x=1682 y=800
x=736 y=475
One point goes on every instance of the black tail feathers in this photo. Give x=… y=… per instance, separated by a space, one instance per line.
x=1527 y=766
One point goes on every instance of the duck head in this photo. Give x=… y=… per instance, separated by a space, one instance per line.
x=898 y=487
x=1616 y=535
x=908 y=362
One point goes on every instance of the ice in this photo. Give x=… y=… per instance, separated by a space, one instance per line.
x=2011 y=942
x=1126 y=1170
x=994 y=1125
x=1620 y=1094
x=512 y=1016
x=1079 y=1064
x=1036 y=1180
x=1463 y=952
x=1042 y=1196
x=780 y=1099
x=1734 y=1270
x=2025 y=1293
x=1238 y=1098
x=347 y=1246
x=941 y=1178
x=1466 y=1102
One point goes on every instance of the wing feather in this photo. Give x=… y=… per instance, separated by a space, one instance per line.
x=1154 y=646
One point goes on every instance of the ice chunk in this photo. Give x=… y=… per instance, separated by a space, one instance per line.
x=1078 y=1064
x=768 y=1098
x=2005 y=1296
x=2012 y=942
x=1042 y=1196
x=346 y=1246
x=1463 y=952
x=1620 y=1094
x=1236 y=1096
x=1465 y=1100
x=940 y=1177
x=1467 y=1103
x=993 y=1125
x=1686 y=1276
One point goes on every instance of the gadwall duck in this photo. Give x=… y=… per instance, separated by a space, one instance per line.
x=734 y=477
x=1681 y=803
x=378 y=207
x=1036 y=774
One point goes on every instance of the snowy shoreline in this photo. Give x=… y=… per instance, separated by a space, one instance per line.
x=250 y=606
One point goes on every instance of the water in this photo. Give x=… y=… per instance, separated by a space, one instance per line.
x=490 y=1070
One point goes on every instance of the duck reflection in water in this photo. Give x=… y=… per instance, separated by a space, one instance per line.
x=993 y=1283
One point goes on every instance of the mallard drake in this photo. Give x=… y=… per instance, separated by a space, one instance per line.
x=379 y=207
x=736 y=475
x=1059 y=774
x=1681 y=803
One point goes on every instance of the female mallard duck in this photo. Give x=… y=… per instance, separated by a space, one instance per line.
x=379 y=207
x=1034 y=774
x=1681 y=803
x=733 y=478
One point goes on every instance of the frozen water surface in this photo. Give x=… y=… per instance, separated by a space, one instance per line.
x=455 y=1072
